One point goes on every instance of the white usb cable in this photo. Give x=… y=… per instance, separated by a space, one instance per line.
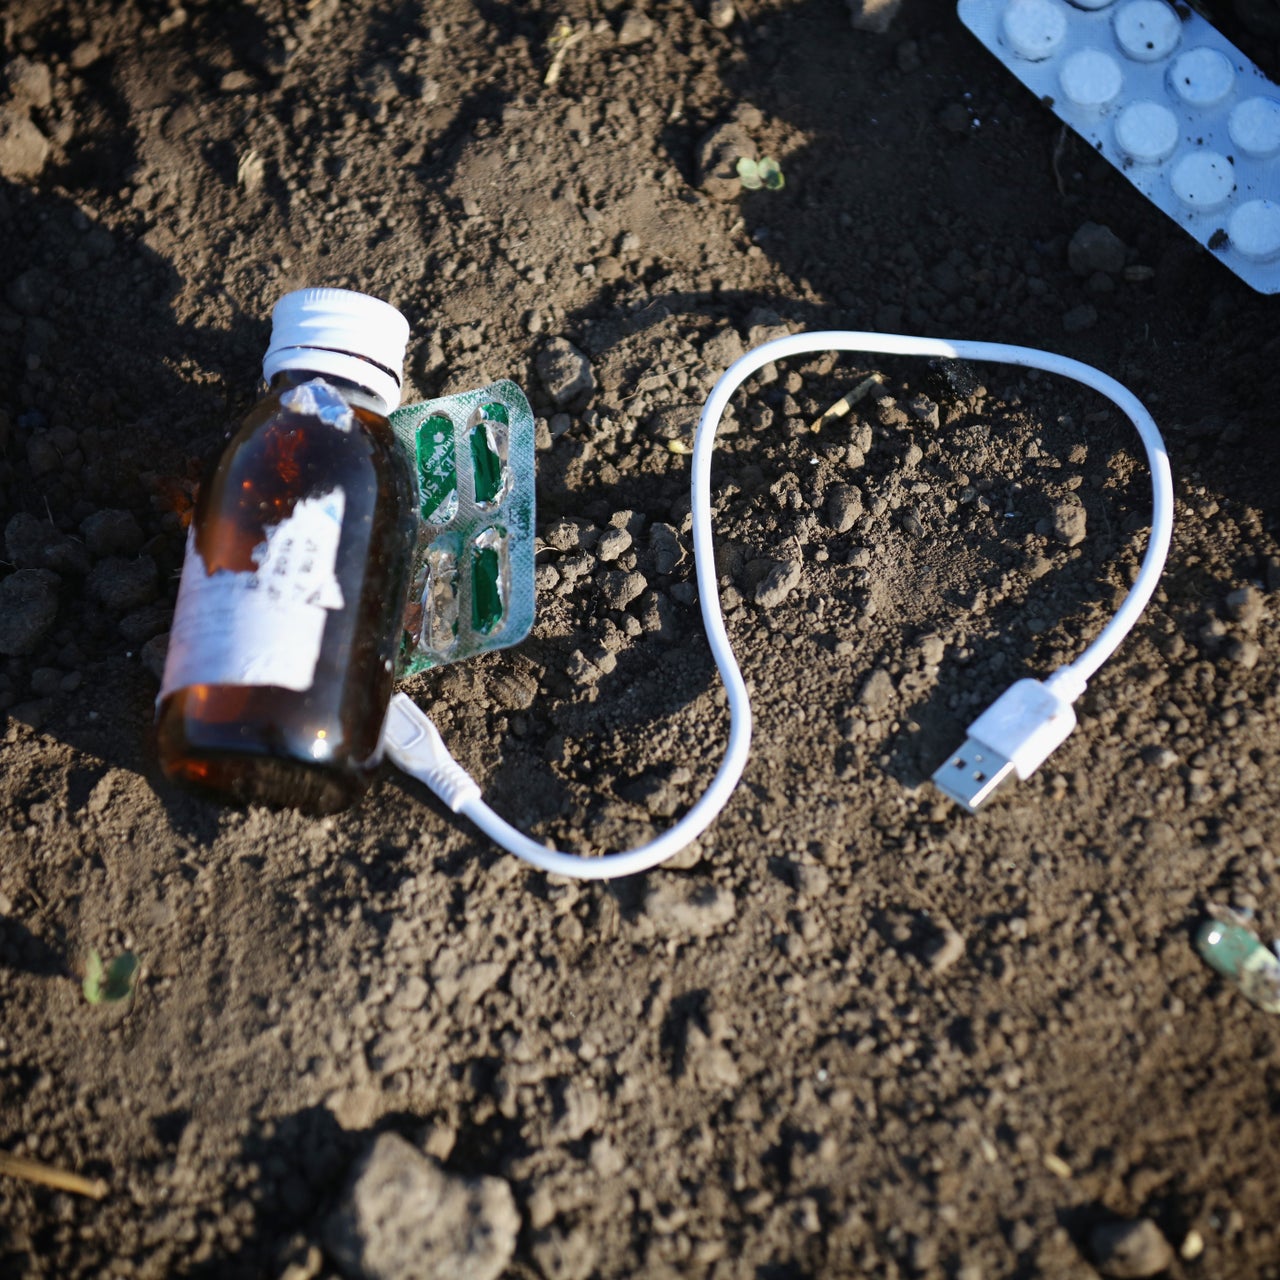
x=1013 y=736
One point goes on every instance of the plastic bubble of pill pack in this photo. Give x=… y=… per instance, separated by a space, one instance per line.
x=472 y=586
x=1176 y=107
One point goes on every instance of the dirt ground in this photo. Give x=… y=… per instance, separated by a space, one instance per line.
x=853 y=1031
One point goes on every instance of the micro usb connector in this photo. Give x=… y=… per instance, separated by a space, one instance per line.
x=1015 y=735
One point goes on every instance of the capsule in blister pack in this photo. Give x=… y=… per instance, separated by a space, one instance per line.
x=472 y=587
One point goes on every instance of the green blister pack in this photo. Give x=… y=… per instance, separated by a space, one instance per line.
x=472 y=588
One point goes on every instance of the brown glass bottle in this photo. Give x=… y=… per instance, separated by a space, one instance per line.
x=296 y=622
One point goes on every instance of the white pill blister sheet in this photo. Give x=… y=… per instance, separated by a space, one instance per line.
x=1178 y=109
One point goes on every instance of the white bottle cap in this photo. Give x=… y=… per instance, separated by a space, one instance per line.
x=336 y=331
x=1147 y=132
x=1202 y=77
x=1254 y=126
x=1033 y=29
x=1091 y=78
x=1203 y=180
x=1254 y=230
x=1147 y=30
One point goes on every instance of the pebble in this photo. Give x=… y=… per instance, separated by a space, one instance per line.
x=32 y=543
x=28 y=607
x=620 y=589
x=121 y=585
x=565 y=372
x=1244 y=653
x=30 y=82
x=1069 y=521
x=875 y=16
x=844 y=506
x=717 y=159
x=613 y=543
x=878 y=692
x=1244 y=606
x=721 y=13
x=23 y=148
x=1095 y=248
x=1080 y=318
x=111 y=533
x=693 y=910
x=722 y=349
x=946 y=950
x=636 y=28
x=665 y=548
x=1130 y=1250
x=403 y=1217
x=777 y=584
x=562 y=1255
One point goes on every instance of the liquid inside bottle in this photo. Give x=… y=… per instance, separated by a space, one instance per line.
x=282 y=653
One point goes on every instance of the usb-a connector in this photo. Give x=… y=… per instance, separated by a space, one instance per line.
x=972 y=775
x=1015 y=735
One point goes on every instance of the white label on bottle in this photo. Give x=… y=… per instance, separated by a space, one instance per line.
x=263 y=626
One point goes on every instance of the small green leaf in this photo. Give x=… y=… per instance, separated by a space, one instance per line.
x=110 y=983
x=749 y=174
x=770 y=173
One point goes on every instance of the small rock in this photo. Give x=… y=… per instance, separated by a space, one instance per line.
x=1244 y=606
x=613 y=543
x=710 y=1063
x=946 y=950
x=878 y=693
x=1069 y=521
x=564 y=1256
x=636 y=28
x=1244 y=653
x=620 y=589
x=29 y=82
x=665 y=548
x=32 y=543
x=565 y=372
x=811 y=880
x=932 y=649
x=1130 y=1250
x=844 y=506
x=112 y=533
x=717 y=160
x=235 y=81
x=1095 y=248
x=28 y=607
x=924 y=410
x=23 y=148
x=153 y=654
x=84 y=55
x=121 y=585
x=777 y=584
x=875 y=16
x=579 y=1111
x=1080 y=318
x=403 y=1217
x=722 y=349
x=721 y=13
x=697 y=911
x=1159 y=757
x=46 y=681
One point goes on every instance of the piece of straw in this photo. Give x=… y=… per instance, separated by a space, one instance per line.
x=47 y=1176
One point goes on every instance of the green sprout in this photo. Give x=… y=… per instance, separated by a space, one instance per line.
x=109 y=983
x=765 y=172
